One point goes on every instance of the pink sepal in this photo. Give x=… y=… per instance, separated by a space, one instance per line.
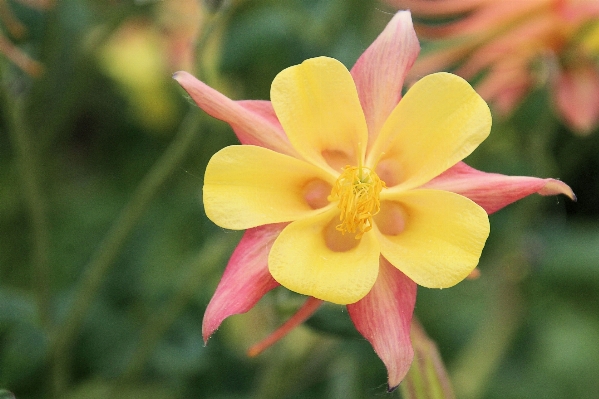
x=380 y=71
x=494 y=50
x=264 y=110
x=246 y=278
x=383 y=317
x=253 y=121
x=576 y=96
x=493 y=191
x=435 y=61
x=308 y=308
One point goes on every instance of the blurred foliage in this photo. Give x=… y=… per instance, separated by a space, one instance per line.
x=104 y=144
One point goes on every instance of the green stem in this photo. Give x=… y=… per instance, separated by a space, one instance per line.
x=203 y=71
x=485 y=350
x=209 y=257
x=25 y=158
x=107 y=252
x=427 y=378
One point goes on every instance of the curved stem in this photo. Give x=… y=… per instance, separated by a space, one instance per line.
x=489 y=344
x=107 y=252
x=210 y=256
x=109 y=248
x=34 y=200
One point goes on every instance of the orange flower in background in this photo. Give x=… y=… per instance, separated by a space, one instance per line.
x=142 y=53
x=180 y=22
x=353 y=193
x=513 y=46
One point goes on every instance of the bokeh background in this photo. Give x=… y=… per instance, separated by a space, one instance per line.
x=107 y=260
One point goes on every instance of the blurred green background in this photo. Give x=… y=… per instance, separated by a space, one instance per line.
x=107 y=260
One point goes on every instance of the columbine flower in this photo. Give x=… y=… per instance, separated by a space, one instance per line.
x=352 y=194
x=517 y=45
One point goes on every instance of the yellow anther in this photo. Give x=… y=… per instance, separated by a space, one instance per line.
x=357 y=190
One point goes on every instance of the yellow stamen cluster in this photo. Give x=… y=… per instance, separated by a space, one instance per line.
x=357 y=189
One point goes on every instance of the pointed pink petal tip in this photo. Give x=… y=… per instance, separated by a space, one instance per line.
x=246 y=278
x=383 y=317
x=493 y=191
x=254 y=122
x=555 y=187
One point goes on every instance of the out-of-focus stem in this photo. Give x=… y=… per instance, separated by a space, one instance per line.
x=487 y=347
x=315 y=364
x=106 y=254
x=19 y=58
x=25 y=157
x=211 y=254
x=109 y=248
x=205 y=68
x=11 y=23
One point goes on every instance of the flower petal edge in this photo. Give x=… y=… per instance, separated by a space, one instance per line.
x=249 y=119
x=493 y=191
x=380 y=71
x=246 y=278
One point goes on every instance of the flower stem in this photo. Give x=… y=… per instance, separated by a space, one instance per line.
x=489 y=344
x=308 y=308
x=106 y=254
x=25 y=158
x=109 y=248
x=210 y=256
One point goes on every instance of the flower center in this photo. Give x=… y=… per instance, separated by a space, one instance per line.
x=357 y=190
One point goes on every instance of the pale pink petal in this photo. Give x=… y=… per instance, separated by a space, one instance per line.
x=246 y=278
x=380 y=71
x=439 y=60
x=483 y=22
x=493 y=191
x=510 y=97
x=505 y=86
x=264 y=110
x=253 y=122
x=536 y=31
x=383 y=317
x=576 y=95
x=577 y=11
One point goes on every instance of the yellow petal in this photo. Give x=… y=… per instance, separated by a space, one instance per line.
x=437 y=123
x=317 y=104
x=248 y=186
x=301 y=261
x=441 y=239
